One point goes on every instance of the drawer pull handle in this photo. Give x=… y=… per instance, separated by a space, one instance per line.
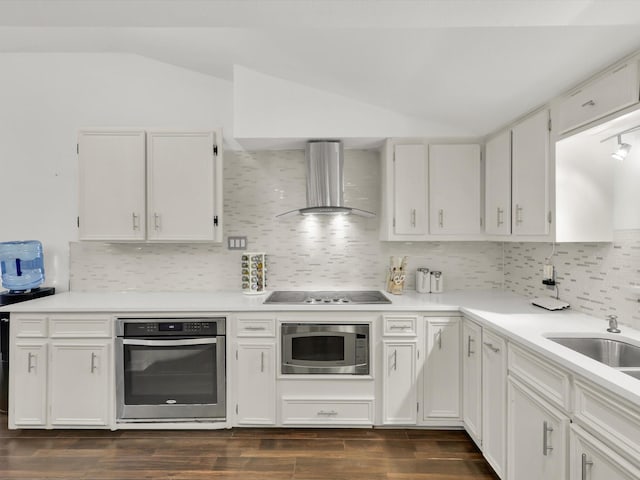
x=399 y=327
x=518 y=214
x=590 y=103
x=499 y=216
x=252 y=328
x=585 y=463
x=156 y=221
x=469 y=351
x=546 y=432
x=491 y=347
x=395 y=359
x=93 y=362
x=439 y=334
x=261 y=362
x=441 y=218
x=329 y=413
x=413 y=217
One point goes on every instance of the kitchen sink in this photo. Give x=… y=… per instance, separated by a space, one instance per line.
x=633 y=373
x=615 y=353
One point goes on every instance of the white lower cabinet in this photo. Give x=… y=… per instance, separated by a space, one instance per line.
x=494 y=401
x=256 y=383
x=441 y=371
x=79 y=384
x=399 y=396
x=591 y=459
x=29 y=383
x=471 y=359
x=537 y=436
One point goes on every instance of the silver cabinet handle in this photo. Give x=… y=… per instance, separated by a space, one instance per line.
x=329 y=413
x=441 y=218
x=499 y=216
x=491 y=347
x=252 y=328
x=156 y=221
x=518 y=214
x=395 y=359
x=439 y=334
x=261 y=362
x=93 y=362
x=399 y=327
x=413 y=217
x=469 y=351
x=29 y=363
x=590 y=103
x=585 y=463
x=169 y=343
x=135 y=220
x=546 y=431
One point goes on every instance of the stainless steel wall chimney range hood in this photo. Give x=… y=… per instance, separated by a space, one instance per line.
x=325 y=183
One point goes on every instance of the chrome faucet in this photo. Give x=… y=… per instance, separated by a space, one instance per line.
x=613 y=324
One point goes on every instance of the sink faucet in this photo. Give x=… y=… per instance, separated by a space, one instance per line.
x=613 y=324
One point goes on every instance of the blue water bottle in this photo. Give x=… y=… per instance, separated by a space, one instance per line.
x=21 y=265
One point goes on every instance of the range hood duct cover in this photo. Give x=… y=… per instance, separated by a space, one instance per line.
x=325 y=180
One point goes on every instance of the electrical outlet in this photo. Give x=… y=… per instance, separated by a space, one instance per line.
x=237 y=243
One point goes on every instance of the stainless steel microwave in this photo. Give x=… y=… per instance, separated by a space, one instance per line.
x=325 y=348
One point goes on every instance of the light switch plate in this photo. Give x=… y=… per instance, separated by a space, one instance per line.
x=237 y=243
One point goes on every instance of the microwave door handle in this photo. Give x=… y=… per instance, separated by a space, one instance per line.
x=170 y=343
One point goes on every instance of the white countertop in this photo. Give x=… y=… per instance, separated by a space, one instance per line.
x=506 y=313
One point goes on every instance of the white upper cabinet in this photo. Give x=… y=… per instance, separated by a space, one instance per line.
x=180 y=187
x=530 y=176
x=154 y=186
x=498 y=184
x=612 y=91
x=404 y=192
x=454 y=189
x=112 y=179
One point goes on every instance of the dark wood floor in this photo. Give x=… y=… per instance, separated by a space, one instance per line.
x=247 y=454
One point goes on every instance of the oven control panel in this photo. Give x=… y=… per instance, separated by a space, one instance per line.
x=174 y=328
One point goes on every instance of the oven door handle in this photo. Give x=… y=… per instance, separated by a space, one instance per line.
x=170 y=343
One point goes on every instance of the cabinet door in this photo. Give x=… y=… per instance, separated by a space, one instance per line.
x=590 y=459
x=79 y=387
x=112 y=177
x=441 y=381
x=498 y=184
x=256 y=384
x=472 y=379
x=454 y=189
x=538 y=436
x=27 y=404
x=494 y=401
x=530 y=179
x=410 y=190
x=180 y=186
x=399 y=397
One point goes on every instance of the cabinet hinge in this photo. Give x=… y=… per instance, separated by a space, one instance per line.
x=549 y=216
x=215 y=150
x=215 y=221
x=78 y=221
x=549 y=126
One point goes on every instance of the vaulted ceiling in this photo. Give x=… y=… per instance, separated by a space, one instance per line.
x=474 y=64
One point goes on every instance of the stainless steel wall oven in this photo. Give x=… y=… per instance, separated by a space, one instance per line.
x=325 y=348
x=170 y=369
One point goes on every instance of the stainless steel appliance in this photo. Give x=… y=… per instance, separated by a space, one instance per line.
x=328 y=297
x=323 y=348
x=170 y=369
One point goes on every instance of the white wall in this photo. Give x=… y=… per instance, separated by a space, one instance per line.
x=46 y=98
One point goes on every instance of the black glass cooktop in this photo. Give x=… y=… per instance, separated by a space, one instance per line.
x=327 y=297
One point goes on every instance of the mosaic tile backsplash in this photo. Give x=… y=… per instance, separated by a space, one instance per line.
x=596 y=278
x=314 y=252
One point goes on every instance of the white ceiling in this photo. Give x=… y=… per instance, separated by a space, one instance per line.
x=474 y=64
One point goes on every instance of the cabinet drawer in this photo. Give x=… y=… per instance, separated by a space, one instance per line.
x=546 y=379
x=256 y=326
x=611 y=419
x=613 y=91
x=400 y=325
x=26 y=326
x=305 y=411
x=80 y=326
